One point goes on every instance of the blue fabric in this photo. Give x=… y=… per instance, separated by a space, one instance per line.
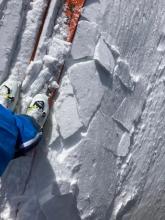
x=14 y=131
x=8 y=137
x=28 y=129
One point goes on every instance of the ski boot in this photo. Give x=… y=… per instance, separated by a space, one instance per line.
x=9 y=93
x=39 y=109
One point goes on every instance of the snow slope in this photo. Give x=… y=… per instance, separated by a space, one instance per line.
x=103 y=153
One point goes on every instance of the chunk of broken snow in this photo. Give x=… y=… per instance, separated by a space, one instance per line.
x=48 y=60
x=122 y=70
x=67 y=116
x=104 y=56
x=51 y=62
x=85 y=40
x=32 y=71
x=131 y=107
x=41 y=81
x=59 y=49
x=88 y=89
x=91 y=12
x=66 y=111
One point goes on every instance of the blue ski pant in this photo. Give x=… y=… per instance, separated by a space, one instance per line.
x=17 y=133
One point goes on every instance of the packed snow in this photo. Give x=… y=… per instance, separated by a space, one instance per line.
x=102 y=156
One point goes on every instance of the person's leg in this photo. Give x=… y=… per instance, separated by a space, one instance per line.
x=8 y=137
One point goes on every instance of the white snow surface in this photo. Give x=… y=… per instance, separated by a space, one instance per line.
x=102 y=156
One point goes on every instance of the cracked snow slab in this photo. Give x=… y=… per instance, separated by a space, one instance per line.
x=104 y=56
x=122 y=70
x=91 y=11
x=66 y=110
x=131 y=107
x=96 y=162
x=9 y=30
x=88 y=89
x=85 y=40
x=31 y=73
x=59 y=49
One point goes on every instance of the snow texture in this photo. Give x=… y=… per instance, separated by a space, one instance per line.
x=103 y=155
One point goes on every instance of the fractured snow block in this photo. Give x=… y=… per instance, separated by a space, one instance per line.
x=59 y=49
x=88 y=89
x=123 y=146
x=67 y=116
x=91 y=11
x=31 y=73
x=131 y=107
x=52 y=63
x=66 y=111
x=104 y=56
x=38 y=84
x=49 y=60
x=85 y=40
x=122 y=70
